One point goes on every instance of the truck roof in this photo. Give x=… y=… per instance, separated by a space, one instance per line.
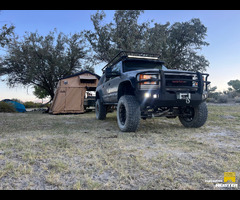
x=130 y=55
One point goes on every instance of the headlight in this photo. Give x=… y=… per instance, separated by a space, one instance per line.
x=195 y=83
x=149 y=79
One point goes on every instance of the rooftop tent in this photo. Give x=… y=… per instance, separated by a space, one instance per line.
x=70 y=94
x=18 y=106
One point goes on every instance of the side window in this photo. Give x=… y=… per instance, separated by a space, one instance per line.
x=117 y=67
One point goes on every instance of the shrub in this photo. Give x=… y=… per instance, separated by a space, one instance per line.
x=210 y=100
x=222 y=99
x=17 y=100
x=237 y=99
x=6 y=107
x=30 y=104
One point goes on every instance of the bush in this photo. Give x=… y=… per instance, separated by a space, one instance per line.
x=30 y=104
x=237 y=99
x=210 y=100
x=17 y=100
x=6 y=107
x=222 y=99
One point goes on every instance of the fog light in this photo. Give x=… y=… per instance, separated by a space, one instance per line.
x=155 y=96
x=147 y=95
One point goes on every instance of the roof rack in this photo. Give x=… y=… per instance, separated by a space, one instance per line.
x=132 y=54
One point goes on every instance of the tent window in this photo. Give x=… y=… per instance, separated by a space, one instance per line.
x=87 y=80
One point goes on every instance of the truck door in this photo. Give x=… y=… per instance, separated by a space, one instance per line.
x=112 y=84
x=103 y=89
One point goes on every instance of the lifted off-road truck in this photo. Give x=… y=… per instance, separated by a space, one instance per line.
x=142 y=87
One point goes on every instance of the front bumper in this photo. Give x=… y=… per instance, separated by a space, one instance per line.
x=157 y=99
x=169 y=89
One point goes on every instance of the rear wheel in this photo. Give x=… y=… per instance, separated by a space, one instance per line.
x=128 y=113
x=100 y=110
x=194 y=117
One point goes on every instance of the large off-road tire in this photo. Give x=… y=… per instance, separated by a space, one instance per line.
x=128 y=113
x=101 y=110
x=198 y=116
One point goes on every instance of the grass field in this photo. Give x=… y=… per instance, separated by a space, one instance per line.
x=42 y=151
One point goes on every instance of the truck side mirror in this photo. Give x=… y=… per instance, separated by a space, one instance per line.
x=108 y=72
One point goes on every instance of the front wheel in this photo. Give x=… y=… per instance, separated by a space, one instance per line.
x=128 y=113
x=194 y=117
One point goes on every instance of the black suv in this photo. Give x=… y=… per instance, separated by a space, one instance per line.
x=142 y=87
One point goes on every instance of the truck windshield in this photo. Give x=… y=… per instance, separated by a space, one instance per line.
x=131 y=65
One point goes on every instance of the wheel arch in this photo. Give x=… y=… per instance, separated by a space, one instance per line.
x=125 y=88
x=99 y=95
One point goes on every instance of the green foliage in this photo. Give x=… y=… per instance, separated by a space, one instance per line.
x=40 y=92
x=6 y=107
x=109 y=39
x=237 y=99
x=43 y=60
x=5 y=34
x=30 y=104
x=212 y=94
x=235 y=84
x=5 y=38
x=178 y=44
x=230 y=95
x=222 y=98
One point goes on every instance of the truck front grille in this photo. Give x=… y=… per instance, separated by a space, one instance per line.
x=176 y=81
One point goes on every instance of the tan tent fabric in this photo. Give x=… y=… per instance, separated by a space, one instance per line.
x=59 y=103
x=70 y=93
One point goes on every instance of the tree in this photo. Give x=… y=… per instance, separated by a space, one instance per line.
x=6 y=34
x=235 y=84
x=40 y=92
x=109 y=39
x=42 y=60
x=177 y=44
x=212 y=92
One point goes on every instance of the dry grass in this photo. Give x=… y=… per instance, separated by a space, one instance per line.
x=41 y=151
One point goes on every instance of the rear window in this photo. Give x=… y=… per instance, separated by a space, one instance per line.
x=131 y=65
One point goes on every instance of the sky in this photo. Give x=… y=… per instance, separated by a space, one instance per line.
x=223 y=35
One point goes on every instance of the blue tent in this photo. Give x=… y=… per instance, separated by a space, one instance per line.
x=18 y=106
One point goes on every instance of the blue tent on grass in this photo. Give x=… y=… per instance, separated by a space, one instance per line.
x=18 y=106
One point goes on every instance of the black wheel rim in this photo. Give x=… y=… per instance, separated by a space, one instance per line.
x=122 y=114
x=189 y=114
